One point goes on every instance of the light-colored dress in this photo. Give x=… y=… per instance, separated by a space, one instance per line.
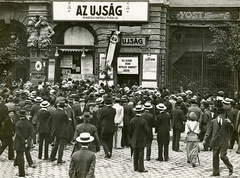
x=192 y=130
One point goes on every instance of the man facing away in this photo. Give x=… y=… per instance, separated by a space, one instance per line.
x=83 y=161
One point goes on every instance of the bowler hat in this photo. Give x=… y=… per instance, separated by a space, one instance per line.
x=87 y=116
x=108 y=100
x=85 y=137
x=61 y=104
x=22 y=113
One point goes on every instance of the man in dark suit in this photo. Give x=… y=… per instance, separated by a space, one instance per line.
x=79 y=111
x=83 y=161
x=150 y=123
x=218 y=133
x=59 y=130
x=107 y=126
x=86 y=126
x=177 y=124
x=139 y=132
x=7 y=135
x=44 y=129
x=24 y=134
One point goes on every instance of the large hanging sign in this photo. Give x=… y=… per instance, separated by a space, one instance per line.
x=127 y=65
x=149 y=67
x=100 y=11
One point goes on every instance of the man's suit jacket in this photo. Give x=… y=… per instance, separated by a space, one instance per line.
x=232 y=115
x=24 y=134
x=43 y=117
x=218 y=137
x=8 y=128
x=177 y=118
x=92 y=130
x=128 y=115
x=82 y=164
x=139 y=132
x=78 y=113
x=150 y=122
x=59 y=123
x=107 y=119
x=34 y=110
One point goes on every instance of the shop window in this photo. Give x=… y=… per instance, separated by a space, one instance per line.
x=78 y=36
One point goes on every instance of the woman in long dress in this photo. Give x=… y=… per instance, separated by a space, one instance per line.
x=192 y=130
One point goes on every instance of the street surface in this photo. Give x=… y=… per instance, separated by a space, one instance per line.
x=120 y=165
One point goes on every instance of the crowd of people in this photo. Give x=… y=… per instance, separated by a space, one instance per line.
x=88 y=116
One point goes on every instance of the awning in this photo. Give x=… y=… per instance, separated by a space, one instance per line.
x=71 y=50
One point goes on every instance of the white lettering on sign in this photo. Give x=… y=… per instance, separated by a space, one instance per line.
x=200 y=15
x=100 y=11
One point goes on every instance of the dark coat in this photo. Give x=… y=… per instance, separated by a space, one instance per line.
x=128 y=115
x=162 y=128
x=232 y=115
x=43 y=117
x=3 y=113
x=8 y=128
x=59 y=124
x=178 y=119
x=139 y=132
x=79 y=113
x=34 y=111
x=107 y=119
x=82 y=164
x=24 y=134
x=92 y=130
x=218 y=137
x=150 y=122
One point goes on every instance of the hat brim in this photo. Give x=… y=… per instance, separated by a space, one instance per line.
x=138 y=109
x=78 y=139
x=45 y=105
x=162 y=108
x=38 y=101
x=149 y=107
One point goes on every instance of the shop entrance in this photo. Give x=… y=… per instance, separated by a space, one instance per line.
x=127 y=80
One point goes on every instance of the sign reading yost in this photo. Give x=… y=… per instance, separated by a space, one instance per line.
x=100 y=11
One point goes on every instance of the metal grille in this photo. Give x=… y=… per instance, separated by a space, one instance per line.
x=187 y=73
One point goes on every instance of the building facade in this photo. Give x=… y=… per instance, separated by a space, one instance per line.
x=162 y=43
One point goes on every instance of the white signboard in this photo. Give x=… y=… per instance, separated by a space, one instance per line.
x=100 y=11
x=127 y=65
x=51 y=70
x=87 y=64
x=149 y=67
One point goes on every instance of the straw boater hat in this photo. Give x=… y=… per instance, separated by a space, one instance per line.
x=161 y=107
x=85 y=137
x=138 y=108
x=147 y=106
x=44 y=104
x=10 y=98
x=38 y=99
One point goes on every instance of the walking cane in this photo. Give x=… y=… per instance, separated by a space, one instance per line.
x=115 y=146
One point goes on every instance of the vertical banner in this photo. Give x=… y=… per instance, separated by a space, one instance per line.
x=113 y=47
x=51 y=70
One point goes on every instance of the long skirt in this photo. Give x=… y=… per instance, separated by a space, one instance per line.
x=192 y=151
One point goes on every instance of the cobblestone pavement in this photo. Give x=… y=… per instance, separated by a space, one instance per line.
x=120 y=165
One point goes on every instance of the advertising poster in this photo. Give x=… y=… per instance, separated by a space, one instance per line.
x=127 y=65
x=149 y=67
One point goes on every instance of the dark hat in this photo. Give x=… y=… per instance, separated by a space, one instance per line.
x=117 y=100
x=178 y=102
x=61 y=104
x=138 y=108
x=11 y=110
x=219 y=110
x=70 y=100
x=22 y=113
x=147 y=106
x=87 y=116
x=44 y=104
x=108 y=100
x=85 y=137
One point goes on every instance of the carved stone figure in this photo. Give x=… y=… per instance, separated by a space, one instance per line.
x=32 y=32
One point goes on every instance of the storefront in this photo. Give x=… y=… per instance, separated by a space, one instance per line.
x=189 y=45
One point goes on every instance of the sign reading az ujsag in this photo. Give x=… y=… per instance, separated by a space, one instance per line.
x=100 y=11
